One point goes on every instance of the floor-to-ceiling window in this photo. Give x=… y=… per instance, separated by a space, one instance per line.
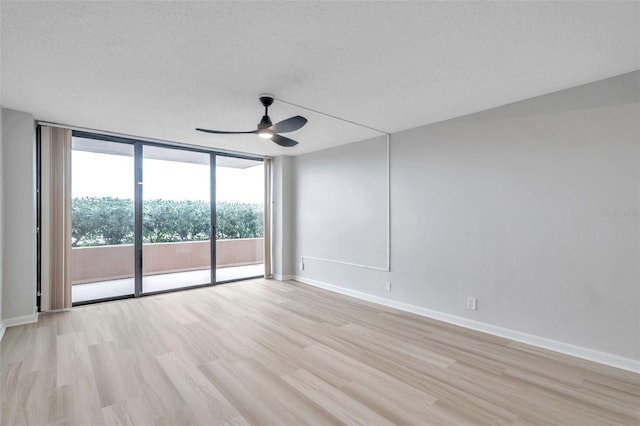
x=176 y=219
x=143 y=215
x=239 y=218
x=102 y=220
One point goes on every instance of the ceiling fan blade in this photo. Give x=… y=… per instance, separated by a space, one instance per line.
x=284 y=141
x=289 y=125
x=222 y=132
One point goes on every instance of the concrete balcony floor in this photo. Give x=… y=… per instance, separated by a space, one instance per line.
x=161 y=282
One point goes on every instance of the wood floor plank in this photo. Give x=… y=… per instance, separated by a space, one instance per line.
x=255 y=410
x=205 y=400
x=73 y=362
x=107 y=373
x=144 y=378
x=11 y=395
x=278 y=403
x=39 y=409
x=78 y=403
x=292 y=406
x=264 y=352
x=340 y=370
x=339 y=404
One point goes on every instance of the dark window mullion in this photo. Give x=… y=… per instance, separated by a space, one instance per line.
x=138 y=218
x=212 y=203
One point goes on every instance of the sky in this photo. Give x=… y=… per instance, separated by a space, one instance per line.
x=106 y=175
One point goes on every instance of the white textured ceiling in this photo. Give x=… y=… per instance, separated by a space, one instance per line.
x=160 y=69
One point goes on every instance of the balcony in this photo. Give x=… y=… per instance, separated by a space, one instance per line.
x=108 y=271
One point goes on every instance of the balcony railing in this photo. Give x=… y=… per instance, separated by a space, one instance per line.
x=103 y=263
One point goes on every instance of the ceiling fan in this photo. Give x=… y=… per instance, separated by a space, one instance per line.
x=268 y=130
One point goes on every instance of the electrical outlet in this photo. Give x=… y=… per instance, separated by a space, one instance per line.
x=387 y=285
x=472 y=303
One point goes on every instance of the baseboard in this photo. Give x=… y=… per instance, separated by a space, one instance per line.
x=12 y=322
x=284 y=277
x=518 y=336
x=27 y=319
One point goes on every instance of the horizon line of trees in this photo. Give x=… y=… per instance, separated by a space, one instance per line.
x=97 y=221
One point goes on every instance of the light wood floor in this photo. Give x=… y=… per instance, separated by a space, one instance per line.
x=265 y=352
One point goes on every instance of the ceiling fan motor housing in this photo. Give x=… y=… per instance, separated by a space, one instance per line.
x=265 y=123
x=266 y=101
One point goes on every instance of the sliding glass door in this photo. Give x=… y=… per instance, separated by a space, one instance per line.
x=143 y=215
x=102 y=220
x=239 y=219
x=176 y=219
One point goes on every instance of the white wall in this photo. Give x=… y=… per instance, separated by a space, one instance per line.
x=19 y=217
x=2 y=328
x=532 y=208
x=341 y=205
x=282 y=240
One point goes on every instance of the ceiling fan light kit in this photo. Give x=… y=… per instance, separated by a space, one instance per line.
x=266 y=129
x=265 y=134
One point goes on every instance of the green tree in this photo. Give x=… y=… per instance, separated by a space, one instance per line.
x=100 y=221
x=84 y=223
x=116 y=221
x=167 y=220
x=239 y=220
